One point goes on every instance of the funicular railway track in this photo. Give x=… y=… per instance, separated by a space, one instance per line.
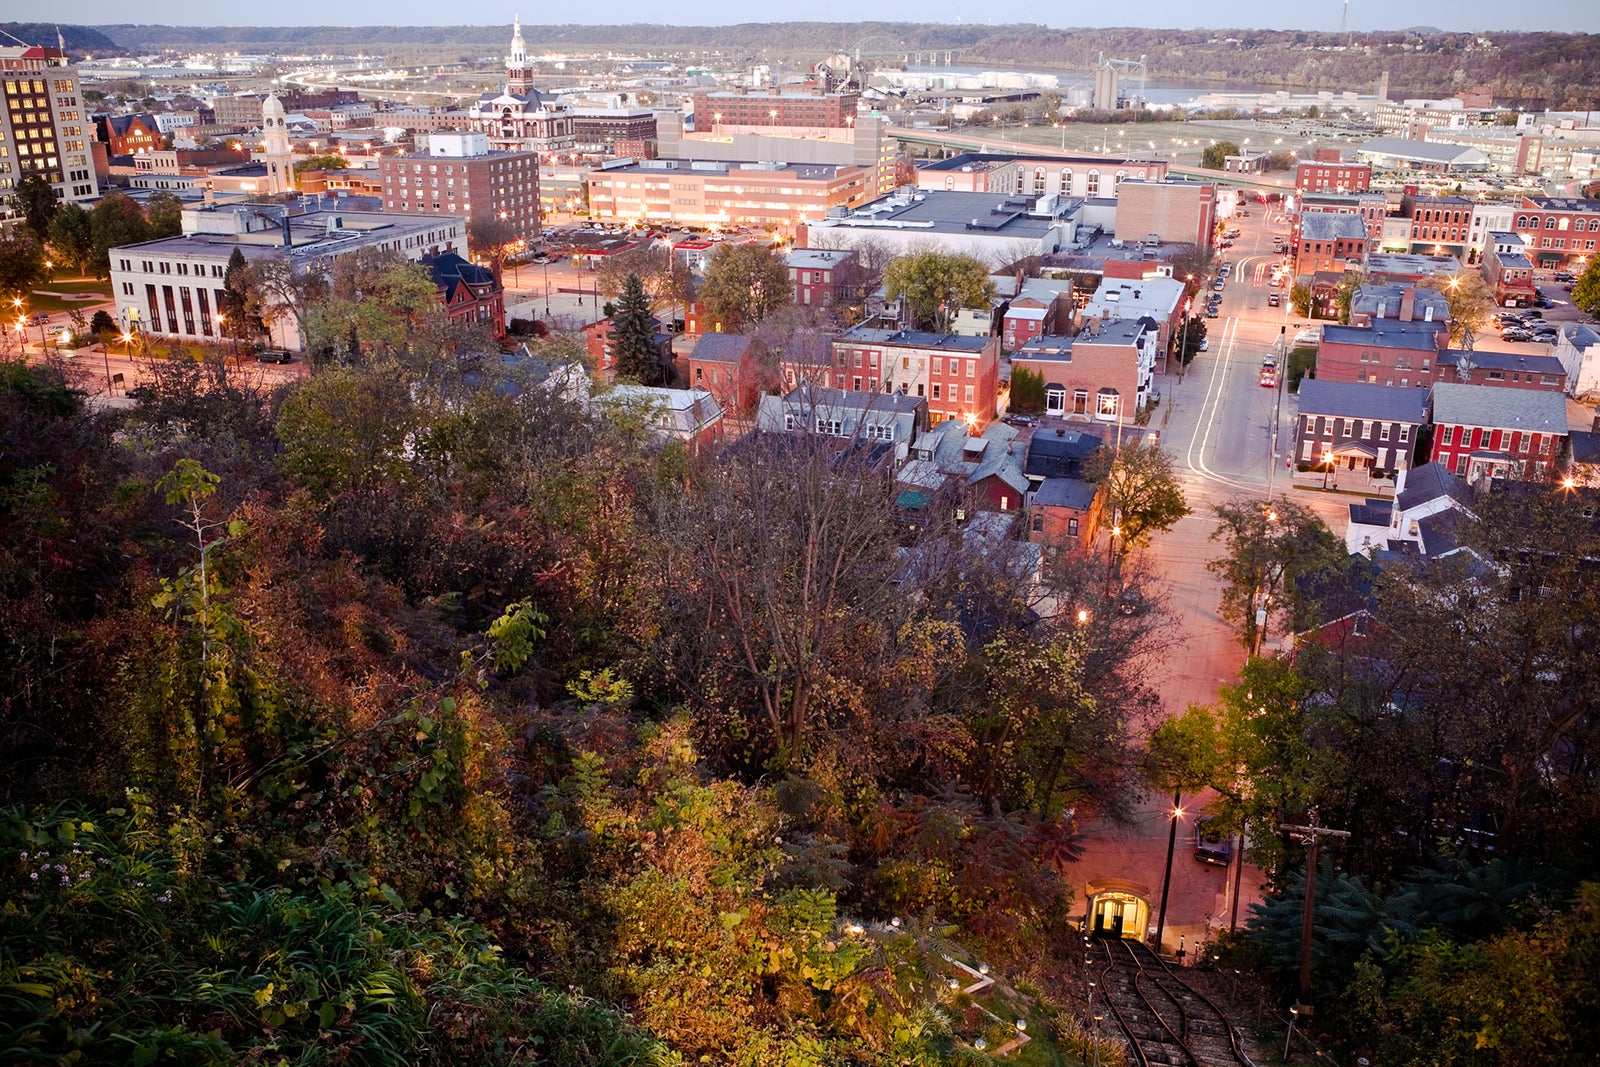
x=1167 y=1023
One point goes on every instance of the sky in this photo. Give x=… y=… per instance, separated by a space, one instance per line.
x=1571 y=15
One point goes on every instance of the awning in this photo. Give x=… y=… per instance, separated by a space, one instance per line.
x=1346 y=451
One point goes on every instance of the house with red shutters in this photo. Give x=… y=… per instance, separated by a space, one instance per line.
x=1483 y=432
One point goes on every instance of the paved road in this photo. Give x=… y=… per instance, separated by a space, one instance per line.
x=1218 y=422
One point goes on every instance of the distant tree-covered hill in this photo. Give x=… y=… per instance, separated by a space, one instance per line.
x=79 y=39
x=1539 y=69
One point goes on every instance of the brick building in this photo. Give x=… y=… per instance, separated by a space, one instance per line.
x=1393 y=353
x=468 y=292
x=1558 y=230
x=604 y=129
x=1104 y=374
x=1501 y=370
x=714 y=109
x=1440 y=225
x=959 y=376
x=129 y=135
x=774 y=196
x=816 y=274
x=1317 y=176
x=1364 y=432
x=1371 y=208
x=1178 y=212
x=1510 y=276
x=732 y=368
x=1483 y=432
x=1382 y=305
x=1329 y=242
x=460 y=176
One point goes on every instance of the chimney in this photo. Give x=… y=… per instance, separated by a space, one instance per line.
x=1427 y=313
x=1408 y=303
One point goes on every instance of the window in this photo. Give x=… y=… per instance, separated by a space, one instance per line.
x=1327 y=427
x=966 y=397
x=1383 y=432
x=938 y=364
x=855 y=383
x=1036 y=523
x=1107 y=405
x=1093 y=188
x=1405 y=434
x=1055 y=399
x=937 y=394
x=884 y=432
x=1080 y=401
x=972 y=367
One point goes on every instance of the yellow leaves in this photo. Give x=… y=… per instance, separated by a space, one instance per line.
x=264 y=996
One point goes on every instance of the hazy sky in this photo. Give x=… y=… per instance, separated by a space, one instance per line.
x=1579 y=15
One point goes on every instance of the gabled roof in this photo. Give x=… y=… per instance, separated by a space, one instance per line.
x=1388 y=335
x=1072 y=493
x=1061 y=454
x=1529 y=410
x=1359 y=400
x=1332 y=226
x=817 y=258
x=721 y=347
x=447 y=268
x=1579 y=336
x=1430 y=482
x=1440 y=533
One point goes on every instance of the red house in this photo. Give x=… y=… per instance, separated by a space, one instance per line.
x=468 y=292
x=817 y=273
x=1510 y=275
x=732 y=368
x=1484 y=432
x=128 y=135
x=1323 y=177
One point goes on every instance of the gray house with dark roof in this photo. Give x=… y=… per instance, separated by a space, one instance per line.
x=1360 y=432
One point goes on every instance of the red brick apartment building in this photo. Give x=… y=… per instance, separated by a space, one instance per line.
x=1558 y=230
x=1322 y=177
x=474 y=184
x=815 y=274
x=1439 y=224
x=1330 y=242
x=959 y=376
x=1499 y=433
x=717 y=109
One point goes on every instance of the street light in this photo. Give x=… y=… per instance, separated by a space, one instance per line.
x=1294 y=1015
x=1166 y=879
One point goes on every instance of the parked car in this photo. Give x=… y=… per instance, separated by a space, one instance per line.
x=1205 y=343
x=1210 y=844
x=1273 y=300
x=1211 y=312
x=1020 y=420
x=1218 y=284
x=273 y=355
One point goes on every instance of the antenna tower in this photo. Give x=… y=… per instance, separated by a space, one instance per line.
x=1344 y=19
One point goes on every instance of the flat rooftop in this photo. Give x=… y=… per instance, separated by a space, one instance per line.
x=953 y=212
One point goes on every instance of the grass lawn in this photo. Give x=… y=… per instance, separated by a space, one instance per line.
x=101 y=286
x=37 y=303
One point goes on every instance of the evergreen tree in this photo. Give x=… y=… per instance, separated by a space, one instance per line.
x=632 y=332
x=239 y=322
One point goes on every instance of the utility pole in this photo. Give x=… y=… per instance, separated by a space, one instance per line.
x=1309 y=836
x=1166 y=881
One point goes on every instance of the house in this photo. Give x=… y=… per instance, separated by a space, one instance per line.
x=957 y=376
x=1578 y=349
x=1506 y=370
x=1360 y=433
x=1160 y=299
x=1510 y=275
x=817 y=275
x=1376 y=304
x=1411 y=517
x=893 y=419
x=732 y=367
x=1391 y=353
x=984 y=472
x=1104 y=374
x=1583 y=458
x=468 y=292
x=692 y=416
x=1483 y=432
x=1329 y=242
x=1026 y=318
x=599 y=337
x=129 y=135
x=1065 y=512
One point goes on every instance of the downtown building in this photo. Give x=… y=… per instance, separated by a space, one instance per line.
x=519 y=118
x=44 y=130
x=172 y=287
x=708 y=193
x=459 y=175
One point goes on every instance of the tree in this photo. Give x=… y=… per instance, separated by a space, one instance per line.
x=1586 y=294
x=1141 y=491
x=72 y=237
x=934 y=285
x=1268 y=547
x=38 y=203
x=21 y=263
x=275 y=287
x=1300 y=298
x=115 y=221
x=239 y=320
x=492 y=238
x=326 y=161
x=1190 y=338
x=164 y=212
x=102 y=323
x=665 y=280
x=633 y=333
x=1027 y=391
x=1215 y=156
x=1470 y=298
x=375 y=300
x=743 y=285
x=1344 y=293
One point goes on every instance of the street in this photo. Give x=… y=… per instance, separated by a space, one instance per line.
x=1217 y=421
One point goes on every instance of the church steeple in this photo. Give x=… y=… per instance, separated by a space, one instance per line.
x=276 y=152
x=518 y=75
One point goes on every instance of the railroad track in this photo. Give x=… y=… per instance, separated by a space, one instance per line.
x=1168 y=1024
